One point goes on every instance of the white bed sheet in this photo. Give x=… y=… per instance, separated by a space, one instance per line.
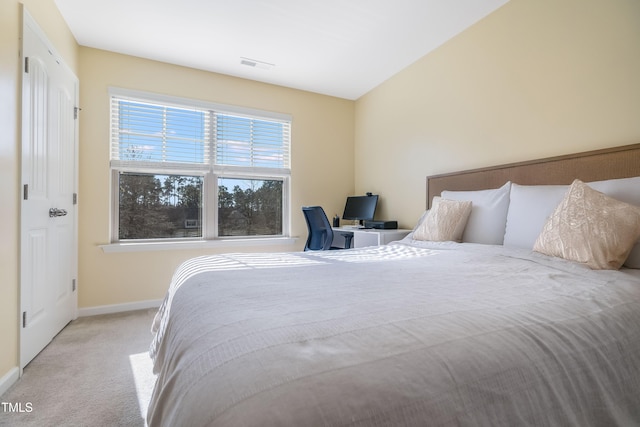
x=412 y=333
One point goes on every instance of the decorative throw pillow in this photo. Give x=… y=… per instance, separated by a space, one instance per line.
x=417 y=225
x=445 y=221
x=591 y=228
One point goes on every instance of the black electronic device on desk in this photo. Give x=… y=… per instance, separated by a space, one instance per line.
x=381 y=225
x=360 y=209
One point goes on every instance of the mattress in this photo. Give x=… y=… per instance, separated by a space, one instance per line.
x=412 y=333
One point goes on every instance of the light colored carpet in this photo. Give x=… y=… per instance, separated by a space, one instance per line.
x=96 y=372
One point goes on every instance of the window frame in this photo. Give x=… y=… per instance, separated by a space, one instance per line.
x=210 y=173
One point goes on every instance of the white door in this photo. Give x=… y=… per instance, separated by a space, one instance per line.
x=48 y=297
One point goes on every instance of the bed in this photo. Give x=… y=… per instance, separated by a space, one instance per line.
x=485 y=331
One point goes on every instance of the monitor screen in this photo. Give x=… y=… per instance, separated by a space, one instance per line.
x=360 y=208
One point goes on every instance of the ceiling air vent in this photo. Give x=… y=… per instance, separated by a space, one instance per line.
x=255 y=63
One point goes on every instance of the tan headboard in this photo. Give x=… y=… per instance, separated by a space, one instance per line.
x=608 y=163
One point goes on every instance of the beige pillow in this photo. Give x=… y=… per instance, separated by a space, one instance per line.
x=591 y=228
x=445 y=221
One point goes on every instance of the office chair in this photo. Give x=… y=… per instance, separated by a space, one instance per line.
x=320 y=231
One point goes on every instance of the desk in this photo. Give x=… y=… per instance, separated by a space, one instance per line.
x=367 y=236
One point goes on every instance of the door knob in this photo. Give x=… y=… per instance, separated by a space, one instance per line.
x=53 y=212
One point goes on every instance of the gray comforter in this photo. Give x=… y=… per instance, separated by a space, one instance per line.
x=404 y=334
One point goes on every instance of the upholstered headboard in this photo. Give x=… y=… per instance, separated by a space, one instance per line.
x=597 y=165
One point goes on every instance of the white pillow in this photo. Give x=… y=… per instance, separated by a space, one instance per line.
x=488 y=216
x=529 y=208
x=445 y=221
x=626 y=190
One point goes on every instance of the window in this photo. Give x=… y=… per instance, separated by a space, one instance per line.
x=184 y=169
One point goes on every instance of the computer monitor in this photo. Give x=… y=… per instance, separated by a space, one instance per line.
x=360 y=208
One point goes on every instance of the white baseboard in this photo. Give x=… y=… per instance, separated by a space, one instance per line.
x=118 y=308
x=9 y=379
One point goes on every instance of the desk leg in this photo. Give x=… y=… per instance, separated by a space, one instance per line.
x=340 y=239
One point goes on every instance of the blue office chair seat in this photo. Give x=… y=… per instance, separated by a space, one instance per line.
x=320 y=232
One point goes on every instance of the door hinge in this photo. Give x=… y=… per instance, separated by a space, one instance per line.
x=73 y=285
x=76 y=110
x=26 y=64
x=75 y=198
x=25 y=192
x=24 y=319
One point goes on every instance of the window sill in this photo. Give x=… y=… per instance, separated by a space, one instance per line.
x=194 y=244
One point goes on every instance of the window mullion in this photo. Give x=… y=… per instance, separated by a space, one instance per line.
x=164 y=134
x=211 y=194
x=251 y=143
x=213 y=138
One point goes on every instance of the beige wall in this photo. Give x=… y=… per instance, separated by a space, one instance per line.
x=534 y=79
x=47 y=16
x=322 y=164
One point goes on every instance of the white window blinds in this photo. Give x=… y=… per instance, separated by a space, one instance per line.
x=166 y=135
x=163 y=135
x=250 y=142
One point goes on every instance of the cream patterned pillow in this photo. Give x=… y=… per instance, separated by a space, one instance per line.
x=591 y=228
x=445 y=221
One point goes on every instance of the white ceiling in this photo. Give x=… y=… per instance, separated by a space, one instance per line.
x=342 y=48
